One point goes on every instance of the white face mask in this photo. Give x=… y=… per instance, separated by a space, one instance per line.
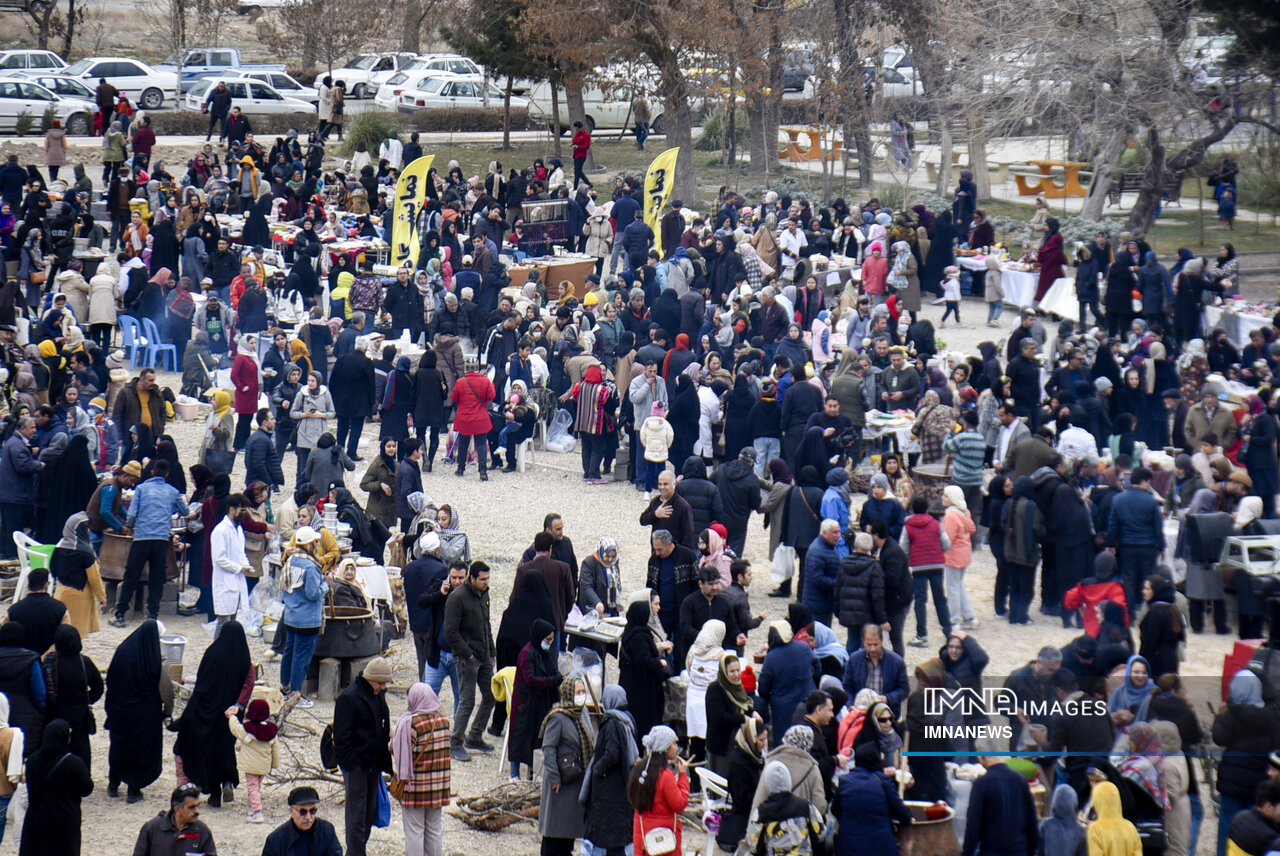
x=580 y=698
x=546 y=646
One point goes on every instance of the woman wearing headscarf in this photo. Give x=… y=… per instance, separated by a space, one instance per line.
x=928 y=769
x=604 y=783
x=683 y=417
x=534 y=689
x=597 y=401
x=219 y=427
x=657 y=793
x=812 y=452
x=74 y=686
x=430 y=398
x=783 y=823
x=74 y=566
x=941 y=253
x=904 y=278
x=703 y=663
x=642 y=670
x=727 y=706
x=1245 y=728
x=167 y=451
x=420 y=749
x=397 y=405
x=1051 y=258
x=934 y=422
x=1142 y=772
x=304 y=589
x=1179 y=780
x=790 y=672
x=1061 y=833
x=831 y=653
x=567 y=746
x=139 y=698
x=746 y=763
x=64 y=486
x=1132 y=699
x=366 y=538
x=205 y=751
x=57 y=780
x=245 y=377
x=379 y=481
x=1161 y=630
x=600 y=580
x=20 y=677
x=1260 y=434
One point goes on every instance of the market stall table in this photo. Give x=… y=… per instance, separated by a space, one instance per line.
x=1236 y=321
x=1020 y=287
x=553 y=270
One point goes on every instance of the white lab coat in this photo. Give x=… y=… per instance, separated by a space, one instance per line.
x=708 y=412
x=230 y=591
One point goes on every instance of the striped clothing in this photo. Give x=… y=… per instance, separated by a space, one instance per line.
x=968 y=449
x=429 y=786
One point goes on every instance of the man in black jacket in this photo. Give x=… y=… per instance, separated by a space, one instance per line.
x=1002 y=815
x=859 y=592
x=38 y=614
x=1024 y=383
x=224 y=266
x=670 y=511
x=701 y=494
x=469 y=635
x=261 y=460
x=361 y=736
x=899 y=589
x=700 y=607
x=304 y=831
x=354 y=392
x=739 y=494
x=671 y=228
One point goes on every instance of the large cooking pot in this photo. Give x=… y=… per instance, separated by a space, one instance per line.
x=348 y=632
x=929 y=480
x=928 y=837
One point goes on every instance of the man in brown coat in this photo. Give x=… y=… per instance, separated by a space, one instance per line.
x=557 y=575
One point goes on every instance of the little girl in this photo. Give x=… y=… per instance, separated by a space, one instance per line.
x=656 y=435
x=259 y=753
x=1227 y=208
x=951 y=294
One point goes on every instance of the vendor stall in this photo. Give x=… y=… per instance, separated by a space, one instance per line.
x=1236 y=317
x=553 y=270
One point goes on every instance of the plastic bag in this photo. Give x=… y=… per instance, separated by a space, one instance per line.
x=558 y=437
x=383 y=818
x=266 y=599
x=784 y=564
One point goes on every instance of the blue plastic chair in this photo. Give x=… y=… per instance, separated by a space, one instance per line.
x=157 y=347
x=130 y=340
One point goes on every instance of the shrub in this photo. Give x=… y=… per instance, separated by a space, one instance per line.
x=192 y=123
x=715 y=128
x=468 y=119
x=1079 y=229
x=25 y=123
x=47 y=120
x=897 y=197
x=371 y=128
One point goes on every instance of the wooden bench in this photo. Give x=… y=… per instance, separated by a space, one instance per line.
x=1131 y=182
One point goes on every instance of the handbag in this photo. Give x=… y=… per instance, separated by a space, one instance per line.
x=784 y=563
x=396 y=788
x=658 y=841
x=219 y=460
x=569 y=763
x=37 y=277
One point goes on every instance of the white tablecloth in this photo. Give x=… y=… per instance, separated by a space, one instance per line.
x=1020 y=288
x=1237 y=324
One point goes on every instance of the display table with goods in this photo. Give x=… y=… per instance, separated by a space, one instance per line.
x=555 y=269
x=1237 y=316
x=1020 y=280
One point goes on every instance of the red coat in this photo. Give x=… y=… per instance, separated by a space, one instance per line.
x=1052 y=260
x=244 y=373
x=1090 y=597
x=669 y=799
x=472 y=394
x=581 y=143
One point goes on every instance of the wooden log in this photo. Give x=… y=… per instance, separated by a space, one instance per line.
x=329 y=681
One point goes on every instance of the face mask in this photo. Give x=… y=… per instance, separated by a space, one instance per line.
x=546 y=646
x=580 y=698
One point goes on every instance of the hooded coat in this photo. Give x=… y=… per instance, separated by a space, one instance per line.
x=139 y=697
x=76 y=685
x=1111 y=834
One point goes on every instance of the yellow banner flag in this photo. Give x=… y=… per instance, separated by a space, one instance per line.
x=657 y=190
x=411 y=195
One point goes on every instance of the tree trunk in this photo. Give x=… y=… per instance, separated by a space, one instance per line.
x=506 y=114
x=945 y=154
x=732 y=132
x=43 y=24
x=69 y=36
x=578 y=113
x=555 y=118
x=411 y=27
x=861 y=137
x=978 y=162
x=677 y=118
x=757 y=144
x=1105 y=166
x=1152 y=190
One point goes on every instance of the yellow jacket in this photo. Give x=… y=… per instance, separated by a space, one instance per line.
x=1111 y=834
x=255 y=756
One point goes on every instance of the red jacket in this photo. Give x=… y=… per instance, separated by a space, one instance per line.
x=244 y=373
x=472 y=393
x=670 y=797
x=924 y=540
x=581 y=143
x=1091 y=596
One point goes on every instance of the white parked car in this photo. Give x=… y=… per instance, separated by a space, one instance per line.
x=252 y=97
x=60 y=84
x=282 y=83
x=140 y=82
x=366 y=72
x=446 y=91
x=420 y=66
x=19 y=96
x=605 y=110
x=11 y=61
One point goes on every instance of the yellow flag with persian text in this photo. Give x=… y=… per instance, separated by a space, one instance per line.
x=658 y=182
x=411 y=195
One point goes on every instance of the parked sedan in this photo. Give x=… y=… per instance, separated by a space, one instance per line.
x=141 y=82
x=443 y=92
x=30 y=60
x=19 y=96
x=60 y=84
x=282 y=83
x=366 y=72
x=251 y=96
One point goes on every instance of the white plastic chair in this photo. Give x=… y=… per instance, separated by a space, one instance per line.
x=715 y=793
x=24 y=543
x=524 y=455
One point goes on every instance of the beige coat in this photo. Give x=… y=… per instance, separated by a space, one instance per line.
x=806 y=779
x=76 y=289
x=599 y=234
x=55 y=147
x=256 y=757
x=102 y=299
x=325 y=107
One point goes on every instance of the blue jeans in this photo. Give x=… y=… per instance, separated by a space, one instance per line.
x=1197 y=817
x=653 y=469
x=1228 y=808
x=994 y=310
x=433 y=676
x=4 y=810
x=350 y=426
x=767 y=448
x=302 y=454
x=298 y=648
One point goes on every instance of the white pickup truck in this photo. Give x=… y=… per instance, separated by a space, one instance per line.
x=199 y=63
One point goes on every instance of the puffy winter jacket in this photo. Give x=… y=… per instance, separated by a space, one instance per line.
x=859 y=592
x=821 y=564
x=740 y=490
x=703 y=496
x=924 y=542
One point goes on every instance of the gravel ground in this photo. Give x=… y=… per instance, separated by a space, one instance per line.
x=501 y=517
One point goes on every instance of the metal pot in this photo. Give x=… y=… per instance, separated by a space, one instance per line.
x=348 y=632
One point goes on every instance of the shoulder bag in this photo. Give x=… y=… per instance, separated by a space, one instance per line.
x=658 y=841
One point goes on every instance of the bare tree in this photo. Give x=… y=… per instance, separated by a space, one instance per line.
x=325 y=32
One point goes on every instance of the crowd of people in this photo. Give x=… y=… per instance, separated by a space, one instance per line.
x=714 y=367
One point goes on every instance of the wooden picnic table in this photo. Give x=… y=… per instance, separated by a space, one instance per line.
x=1071 y=185
x=813 y=151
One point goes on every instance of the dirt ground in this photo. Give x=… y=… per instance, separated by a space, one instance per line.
x=501 y=517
